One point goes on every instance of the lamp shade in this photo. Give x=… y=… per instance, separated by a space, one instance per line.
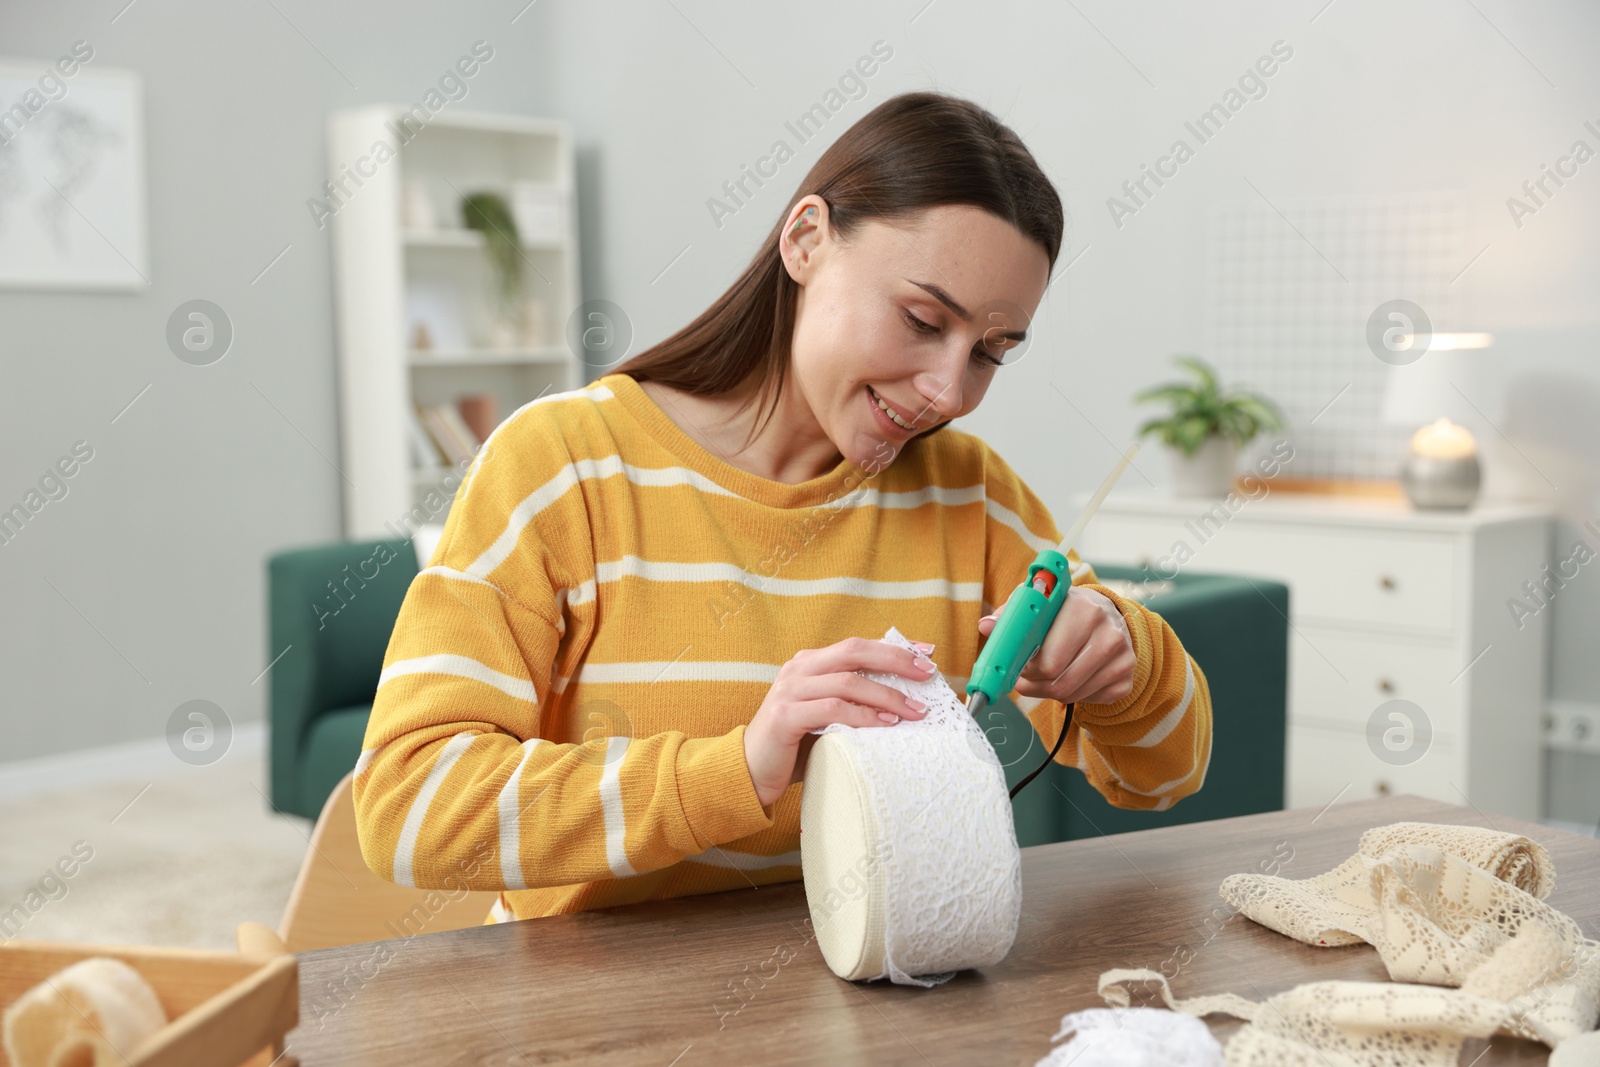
x=1455 y=378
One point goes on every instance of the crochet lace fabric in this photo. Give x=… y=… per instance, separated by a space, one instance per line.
x=951 y=870
x=1457 y=916
x=1334 y=908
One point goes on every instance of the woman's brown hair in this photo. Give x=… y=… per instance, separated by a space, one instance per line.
x=911 y=152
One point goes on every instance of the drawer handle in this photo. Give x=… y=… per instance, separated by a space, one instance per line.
x=1386 y=582
x=1385 y=685
x=1381 y=787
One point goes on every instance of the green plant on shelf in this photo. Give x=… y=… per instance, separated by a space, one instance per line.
x=1201 y=410
x=489 y=214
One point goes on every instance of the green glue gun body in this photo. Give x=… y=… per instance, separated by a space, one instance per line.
x=1020 y=630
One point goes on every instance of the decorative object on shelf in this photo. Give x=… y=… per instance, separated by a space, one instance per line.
x=480 y=411
x=449 y=432
x=1205 y=428
x=534 y=329
x=434 y=306
x=490 y=215
x=1450 y=381
x=421 y=339
x=502 y=333
x=425 y=451
x=537 y=207
x=418 y=215
x=1370 y=488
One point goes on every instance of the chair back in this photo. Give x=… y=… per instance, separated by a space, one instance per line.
x=338 y=900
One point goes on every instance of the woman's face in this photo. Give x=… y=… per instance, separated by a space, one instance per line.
x=912 y=313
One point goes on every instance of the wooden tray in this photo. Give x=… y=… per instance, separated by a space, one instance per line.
x=226 y=1010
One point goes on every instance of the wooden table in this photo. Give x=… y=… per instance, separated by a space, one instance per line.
x=653 y=983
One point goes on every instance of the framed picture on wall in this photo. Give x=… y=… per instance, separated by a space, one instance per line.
x=72 y=184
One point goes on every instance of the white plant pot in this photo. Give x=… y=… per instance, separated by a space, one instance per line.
x=1207 y=473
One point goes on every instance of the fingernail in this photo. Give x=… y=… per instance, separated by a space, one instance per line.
x=915 y=705
x=923 y=645
x=889 y=718
x=923 y=663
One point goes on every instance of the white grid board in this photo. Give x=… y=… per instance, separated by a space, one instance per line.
x=1288 y=298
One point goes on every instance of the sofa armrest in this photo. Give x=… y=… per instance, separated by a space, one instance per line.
x=330 y=611
x=1236 y=629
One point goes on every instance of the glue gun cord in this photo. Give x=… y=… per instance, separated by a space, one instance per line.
x=1066 y=720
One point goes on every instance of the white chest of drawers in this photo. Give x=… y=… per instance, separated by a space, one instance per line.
x=1409 y=671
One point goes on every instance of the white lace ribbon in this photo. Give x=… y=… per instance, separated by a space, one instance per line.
x=951 y=880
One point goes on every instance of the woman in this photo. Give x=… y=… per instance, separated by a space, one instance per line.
x=650 y=590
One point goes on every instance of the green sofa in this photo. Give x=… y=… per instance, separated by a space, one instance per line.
x=333 y=606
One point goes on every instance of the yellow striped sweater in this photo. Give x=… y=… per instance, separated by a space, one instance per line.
x=562 y=706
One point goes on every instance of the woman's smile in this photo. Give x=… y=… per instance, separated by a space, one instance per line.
x=889 y=416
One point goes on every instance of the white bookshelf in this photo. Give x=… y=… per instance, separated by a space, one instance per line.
x=378 y=261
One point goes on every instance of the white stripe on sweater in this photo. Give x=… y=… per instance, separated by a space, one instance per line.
x=1169 y=722
x=560 y=622
x=511 y=809
x=611 y=807
x=577 y=471
x=364 y=761
x=594 y=393
x=951 y=496
x=461 y=667
x=648 y=671
x=649 y=570
x=405 y=849
x=1006 y=517
x=1159 y=791
x=610 y=466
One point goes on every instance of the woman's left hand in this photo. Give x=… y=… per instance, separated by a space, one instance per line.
x=1087 y=656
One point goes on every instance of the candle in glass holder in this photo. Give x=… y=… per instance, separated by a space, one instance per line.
x=1442 y=469
x=1443 y=439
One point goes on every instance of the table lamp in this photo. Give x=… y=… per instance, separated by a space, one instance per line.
x=1449 y=382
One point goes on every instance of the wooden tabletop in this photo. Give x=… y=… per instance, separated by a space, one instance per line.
x=653 y=983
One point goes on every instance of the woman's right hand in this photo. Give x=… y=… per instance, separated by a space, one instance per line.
x=819 y=686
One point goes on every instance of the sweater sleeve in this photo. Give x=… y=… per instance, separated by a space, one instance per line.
x=459 y=782
x=1147 y=750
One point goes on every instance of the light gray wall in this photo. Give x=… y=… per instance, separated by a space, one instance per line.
x=161 y=542
x=157 y=553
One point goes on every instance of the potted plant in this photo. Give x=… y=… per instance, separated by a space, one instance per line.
x=1205 y=428
x=490 y=215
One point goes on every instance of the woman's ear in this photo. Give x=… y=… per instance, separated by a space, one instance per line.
x=803 y=230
